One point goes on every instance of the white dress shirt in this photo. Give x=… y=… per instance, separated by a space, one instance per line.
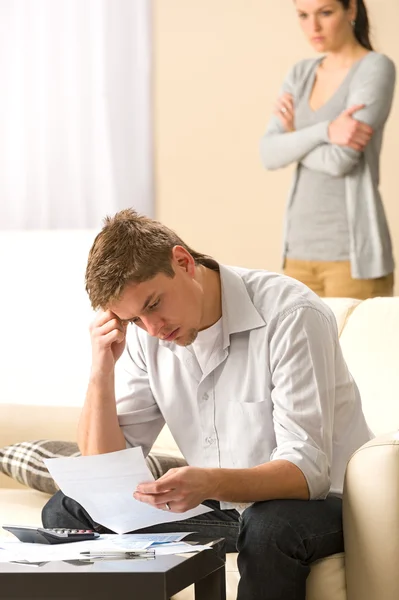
x=276 y=386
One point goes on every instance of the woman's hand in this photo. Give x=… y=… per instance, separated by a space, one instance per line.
x=347 y=131
x=284 y=110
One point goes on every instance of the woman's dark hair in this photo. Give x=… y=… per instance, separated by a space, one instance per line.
x=362 y=25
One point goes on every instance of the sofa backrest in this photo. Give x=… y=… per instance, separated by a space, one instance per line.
x=370 y=343
x=19 y=423
x=342 y=309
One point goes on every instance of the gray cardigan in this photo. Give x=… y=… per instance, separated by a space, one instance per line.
x=372 y=85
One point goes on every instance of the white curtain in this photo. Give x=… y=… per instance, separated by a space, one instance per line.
x=75 y=111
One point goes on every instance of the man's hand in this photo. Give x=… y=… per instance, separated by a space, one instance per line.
x=347 y=131
x=181 y=489
x=108 y=338
x=284 y=110
x=99 y=431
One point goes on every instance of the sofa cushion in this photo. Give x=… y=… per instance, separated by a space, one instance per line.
x=22 y=507
x=24 y=462
x=325 y=582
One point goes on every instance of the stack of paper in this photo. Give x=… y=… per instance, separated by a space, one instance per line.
x=110 y=545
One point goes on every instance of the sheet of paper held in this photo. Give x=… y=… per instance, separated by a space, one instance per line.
x=104 y=484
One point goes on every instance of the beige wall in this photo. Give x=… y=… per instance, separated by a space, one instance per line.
x=218 y=68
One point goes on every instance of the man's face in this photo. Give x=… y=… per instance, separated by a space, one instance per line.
x=169 y=308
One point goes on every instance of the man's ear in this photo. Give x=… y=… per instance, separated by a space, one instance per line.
x=183 y=259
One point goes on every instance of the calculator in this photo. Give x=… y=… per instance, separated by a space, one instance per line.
x=58 y=535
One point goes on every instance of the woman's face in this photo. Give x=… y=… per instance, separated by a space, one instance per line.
x=326 y=23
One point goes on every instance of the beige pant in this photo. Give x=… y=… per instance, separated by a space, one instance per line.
x=333 y=279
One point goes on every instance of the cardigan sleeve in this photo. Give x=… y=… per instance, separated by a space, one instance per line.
x=372 y=86
x=279 y=148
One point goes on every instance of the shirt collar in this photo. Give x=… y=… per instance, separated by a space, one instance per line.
x=238 y=311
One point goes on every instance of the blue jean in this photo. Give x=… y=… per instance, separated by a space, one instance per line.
x=277 y=540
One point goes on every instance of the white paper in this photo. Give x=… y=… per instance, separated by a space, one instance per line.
x=11 y=551
x=104 y=485
x=69 y=551
x=181 y=548
x=128 y=541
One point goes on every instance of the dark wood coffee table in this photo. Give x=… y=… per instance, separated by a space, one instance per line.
x=154 y=579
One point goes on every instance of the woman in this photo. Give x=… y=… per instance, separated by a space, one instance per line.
x=329 y=120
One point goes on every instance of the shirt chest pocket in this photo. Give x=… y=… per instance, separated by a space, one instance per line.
x=251 y=432
x=251 y=406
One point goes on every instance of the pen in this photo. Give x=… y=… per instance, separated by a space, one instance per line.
x=116 y=553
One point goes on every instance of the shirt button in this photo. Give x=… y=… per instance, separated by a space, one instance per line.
x=209 y=440
x=205 y=397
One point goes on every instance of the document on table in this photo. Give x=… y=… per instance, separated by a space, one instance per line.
x=104 y=484
x=132 y=541
x=109 y=544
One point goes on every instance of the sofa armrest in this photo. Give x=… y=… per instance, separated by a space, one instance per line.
x=371 y=520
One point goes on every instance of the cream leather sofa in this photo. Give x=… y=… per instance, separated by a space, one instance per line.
x=44 y=361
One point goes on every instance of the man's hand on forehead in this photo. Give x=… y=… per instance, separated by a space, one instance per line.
x=108 y=334
x=105 y=316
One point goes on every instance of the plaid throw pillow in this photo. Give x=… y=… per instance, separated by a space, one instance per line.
x=24 y=462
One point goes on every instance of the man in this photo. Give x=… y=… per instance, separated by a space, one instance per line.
x=246 y=369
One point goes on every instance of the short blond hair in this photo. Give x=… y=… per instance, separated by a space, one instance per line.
x=131 y=248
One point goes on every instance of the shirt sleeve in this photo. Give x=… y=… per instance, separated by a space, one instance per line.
x=279 y=148
x=138 y=413
x=373 y=87
x=302 y=351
